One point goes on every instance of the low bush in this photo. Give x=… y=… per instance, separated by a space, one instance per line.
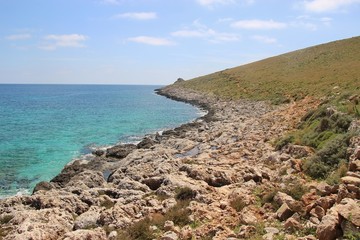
x=185 y=193
x=140 y=230
x=335 y=176
x=296 y=190
x=238 y=204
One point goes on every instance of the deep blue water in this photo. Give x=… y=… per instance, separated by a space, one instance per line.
x=43 y=127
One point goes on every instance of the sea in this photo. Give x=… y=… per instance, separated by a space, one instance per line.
x=44 y=127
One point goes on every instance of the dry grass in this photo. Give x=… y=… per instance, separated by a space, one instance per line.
x=323 y=70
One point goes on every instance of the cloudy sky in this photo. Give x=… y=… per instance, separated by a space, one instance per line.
x=157 y=41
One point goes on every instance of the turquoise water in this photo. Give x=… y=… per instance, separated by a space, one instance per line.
x=43 y=127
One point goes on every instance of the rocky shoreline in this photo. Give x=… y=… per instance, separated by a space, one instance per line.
x=218 y=177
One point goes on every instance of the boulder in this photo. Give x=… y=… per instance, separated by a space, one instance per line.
x=87 y=179
x=329 y=227
x=98 y=152
x=88 y=219
x=169 y=226
x=120 y=151
x=292 y=224
x=350 y=210
x=43 y=186
x=170 y=236
x=351 y=180
x=354 y=165
x=280 y=198
x=146 y=143
x=93 y=234
x=284 y=212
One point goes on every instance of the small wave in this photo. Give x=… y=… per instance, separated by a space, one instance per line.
x=20 y=192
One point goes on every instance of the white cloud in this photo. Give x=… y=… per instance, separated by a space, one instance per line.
x=264 y=39
x=199 y=30
x=152 y=41
x=311 y=23
x=327 y=5
x=71 y=40
x=258 y=24
x=16 y=37
x=138 y=15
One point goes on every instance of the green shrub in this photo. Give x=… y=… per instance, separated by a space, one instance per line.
x=282 y=142
x=335 y=177
x=296 y=190
x=315 y=168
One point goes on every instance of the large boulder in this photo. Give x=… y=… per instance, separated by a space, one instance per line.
x=120 y=151
x=329 y=227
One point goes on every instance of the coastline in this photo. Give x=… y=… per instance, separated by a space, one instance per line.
x=219 y=159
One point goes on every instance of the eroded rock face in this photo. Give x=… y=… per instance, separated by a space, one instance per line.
x=34 y=224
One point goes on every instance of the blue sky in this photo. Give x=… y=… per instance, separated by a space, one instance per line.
x=157 y=41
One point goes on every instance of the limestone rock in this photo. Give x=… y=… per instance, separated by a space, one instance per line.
x=351 y=180
x=329 y=227
x=350 y=210
x=88 y=219
x=120 y=151
x=284 y=212
x=292 y=224
x=43 y=186
x=44 y=224
x=94 y=234
x=281 y=198
x=169 y=236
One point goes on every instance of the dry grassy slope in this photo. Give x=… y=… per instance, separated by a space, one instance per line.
x=312 y=71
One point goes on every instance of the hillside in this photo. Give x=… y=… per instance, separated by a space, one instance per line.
x=318 y=71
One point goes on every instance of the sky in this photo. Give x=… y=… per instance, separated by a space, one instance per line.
x=157 y=41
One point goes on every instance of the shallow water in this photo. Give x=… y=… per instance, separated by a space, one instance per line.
x=43 y=127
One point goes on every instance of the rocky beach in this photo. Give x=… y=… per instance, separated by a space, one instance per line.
x=219 y=177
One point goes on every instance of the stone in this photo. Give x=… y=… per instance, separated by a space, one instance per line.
x=284 y=212
x=351 y=180
x=350 y=210
x=329 y=227
x=113 y=235
x=271 y=230
x=43 y=186
x=169 y=236
x=120 y=151
x=354 y=165
x=98 y=152
x=280 y=198
x=248 y=217
x=292 y=224
x=169 y=225
x=317 y=212
x=146 y=143
x=93 y=234
x=88 y=219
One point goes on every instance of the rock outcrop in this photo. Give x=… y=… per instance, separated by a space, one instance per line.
x=218 y=177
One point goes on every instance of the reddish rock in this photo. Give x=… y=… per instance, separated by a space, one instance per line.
x=284 y=212
x=329 y=227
